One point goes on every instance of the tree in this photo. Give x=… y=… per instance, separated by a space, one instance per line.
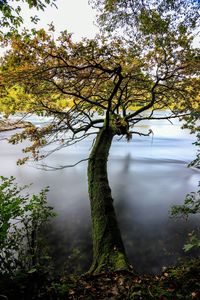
x=145 y=17
x=98 y=87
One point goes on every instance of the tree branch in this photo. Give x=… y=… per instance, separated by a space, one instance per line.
x=51 y=168
x=151 y=103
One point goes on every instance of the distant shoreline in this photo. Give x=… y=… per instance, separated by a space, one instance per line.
x=7 y=125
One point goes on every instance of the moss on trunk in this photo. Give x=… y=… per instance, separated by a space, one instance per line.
x=108 y=249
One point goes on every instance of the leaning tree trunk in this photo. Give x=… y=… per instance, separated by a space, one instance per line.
x=108 y=249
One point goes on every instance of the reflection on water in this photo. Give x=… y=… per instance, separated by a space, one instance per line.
x=147 y=176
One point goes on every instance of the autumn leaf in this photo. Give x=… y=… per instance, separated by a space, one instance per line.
x=194 y=295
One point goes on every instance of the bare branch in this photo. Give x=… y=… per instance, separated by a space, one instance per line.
x=52 y=168
x=161 y=118
x=149 y=105
x=143 y=134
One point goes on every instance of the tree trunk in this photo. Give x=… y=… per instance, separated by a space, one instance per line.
x=108 y=249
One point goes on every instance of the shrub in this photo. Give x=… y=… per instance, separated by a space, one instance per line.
x=22 y=218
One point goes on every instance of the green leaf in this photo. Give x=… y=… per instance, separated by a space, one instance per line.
x=188 y=247
x=31 y=271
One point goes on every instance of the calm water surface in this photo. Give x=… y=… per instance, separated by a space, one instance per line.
x=147 y=175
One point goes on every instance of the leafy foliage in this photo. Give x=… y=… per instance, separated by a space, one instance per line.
x=74 y=82
x=191 y=206
x=147 y=18
x=21 y=221
x=192 y=123
x=193 y=243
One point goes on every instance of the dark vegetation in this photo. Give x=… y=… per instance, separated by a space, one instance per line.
x=181 y=282
x=29 y=272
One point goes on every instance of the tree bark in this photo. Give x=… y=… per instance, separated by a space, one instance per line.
x=108 y=249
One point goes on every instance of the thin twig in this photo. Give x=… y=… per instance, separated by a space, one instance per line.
x=51 y=168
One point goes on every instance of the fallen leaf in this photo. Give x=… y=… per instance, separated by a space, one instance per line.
x=88 y=286
x=121 y=281
x=170 y=289
x=194 y=295
x=137 y=280
x=71 y=292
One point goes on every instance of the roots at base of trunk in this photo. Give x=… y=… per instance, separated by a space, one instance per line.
x=109 y=262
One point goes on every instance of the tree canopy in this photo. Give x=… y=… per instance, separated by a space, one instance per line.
x=75 y=82
x=149 y=17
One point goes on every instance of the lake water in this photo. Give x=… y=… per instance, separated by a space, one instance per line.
x=147 y=175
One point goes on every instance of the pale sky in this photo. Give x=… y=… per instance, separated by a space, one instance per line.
x=74 y=15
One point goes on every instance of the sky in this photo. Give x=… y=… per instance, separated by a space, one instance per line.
x=74 y=15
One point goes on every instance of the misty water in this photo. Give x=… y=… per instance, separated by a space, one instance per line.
x=147 y=175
